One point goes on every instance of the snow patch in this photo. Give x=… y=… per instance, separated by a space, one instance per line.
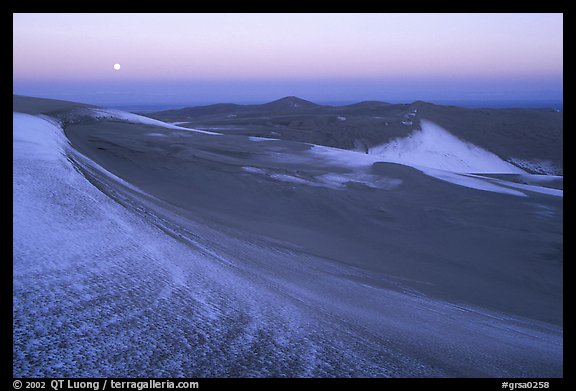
x=339 y=181
x=37 y=137
x=435 y=147
x=290 y=179
x=139 y=119
x=470 y=181
x=254 y=170
x=278 y=176
x=527 y=187
x=257 y=139
x=411 y=114
x=356 y=163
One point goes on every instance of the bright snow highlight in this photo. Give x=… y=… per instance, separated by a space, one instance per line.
x=435 y=147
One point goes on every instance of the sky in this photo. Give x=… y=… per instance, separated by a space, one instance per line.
x=255 y=58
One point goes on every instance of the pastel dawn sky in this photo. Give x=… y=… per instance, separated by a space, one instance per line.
x=208 y=58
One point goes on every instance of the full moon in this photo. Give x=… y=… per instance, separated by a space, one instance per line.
x=117 y=67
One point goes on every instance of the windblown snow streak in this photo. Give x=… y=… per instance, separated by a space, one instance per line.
x=135 y=118
x=112 y=280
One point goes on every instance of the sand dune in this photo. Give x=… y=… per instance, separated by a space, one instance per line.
x=149 y=250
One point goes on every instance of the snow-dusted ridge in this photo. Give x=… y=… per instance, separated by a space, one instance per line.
x=435 y=147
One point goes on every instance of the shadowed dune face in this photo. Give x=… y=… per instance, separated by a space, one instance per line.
x=327 y=262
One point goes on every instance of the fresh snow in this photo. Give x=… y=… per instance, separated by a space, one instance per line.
x=434 y=147
x=37 y=137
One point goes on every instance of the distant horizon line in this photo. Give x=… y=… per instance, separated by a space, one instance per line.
x=464 y=102
x=470 y=103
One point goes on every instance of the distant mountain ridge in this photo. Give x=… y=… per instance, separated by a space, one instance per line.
x=295 y=104
x=286 y=104
x=530 y=138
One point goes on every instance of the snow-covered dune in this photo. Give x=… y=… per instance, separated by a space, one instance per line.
x=435 y=147
x=101 y=289
x=360 y=164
